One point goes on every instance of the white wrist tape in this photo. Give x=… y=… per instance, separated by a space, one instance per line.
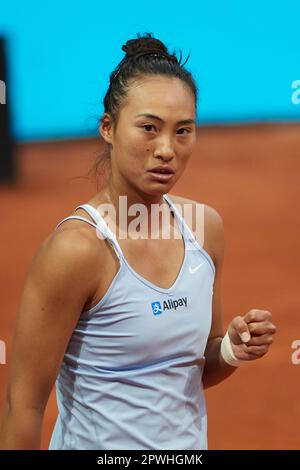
x=227 y=352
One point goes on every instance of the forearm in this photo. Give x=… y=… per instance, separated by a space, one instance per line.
x=216 y=369
x=21 y=429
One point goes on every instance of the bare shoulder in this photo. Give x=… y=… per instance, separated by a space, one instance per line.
x=68 y=258
x=213 y=226
x=72 y=243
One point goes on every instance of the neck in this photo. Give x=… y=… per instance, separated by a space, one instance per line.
x=123 y=198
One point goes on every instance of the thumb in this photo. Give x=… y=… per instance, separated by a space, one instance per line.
x=238 y=327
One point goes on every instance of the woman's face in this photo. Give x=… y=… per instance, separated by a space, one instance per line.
x=156 y=127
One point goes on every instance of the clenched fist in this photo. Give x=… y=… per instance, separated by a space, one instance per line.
x=252 y=334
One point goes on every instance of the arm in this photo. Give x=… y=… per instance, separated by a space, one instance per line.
x=250 y=335
x=216 y=369
x=59 y=283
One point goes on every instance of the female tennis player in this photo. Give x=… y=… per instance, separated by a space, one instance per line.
x=130 y=328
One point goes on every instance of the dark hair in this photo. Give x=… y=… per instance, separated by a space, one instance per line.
x=145 y=55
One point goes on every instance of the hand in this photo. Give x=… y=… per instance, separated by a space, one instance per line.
x=252 y=334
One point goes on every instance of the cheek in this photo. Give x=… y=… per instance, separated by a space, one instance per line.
x=134 y=156
x=185 y=153
x=187 y=150
x=135 y=144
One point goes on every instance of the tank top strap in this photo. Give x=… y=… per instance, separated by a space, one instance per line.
x=90 y=210
x=183 y=227
x=102 y=226
x=76 y=217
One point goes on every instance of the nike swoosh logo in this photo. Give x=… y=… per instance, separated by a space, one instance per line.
x=193 y=270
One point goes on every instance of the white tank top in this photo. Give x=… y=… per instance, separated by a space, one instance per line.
x=131 y=376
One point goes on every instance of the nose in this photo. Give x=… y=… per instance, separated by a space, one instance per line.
x=165 y=150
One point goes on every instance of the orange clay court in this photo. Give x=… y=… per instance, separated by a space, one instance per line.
x=250 y=174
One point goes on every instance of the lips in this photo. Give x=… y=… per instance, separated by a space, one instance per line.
x=163 y=170
x=162 y=174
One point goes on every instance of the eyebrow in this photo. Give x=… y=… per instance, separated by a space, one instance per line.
x=152 y=116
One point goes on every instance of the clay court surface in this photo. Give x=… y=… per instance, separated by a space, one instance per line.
x=251 y=175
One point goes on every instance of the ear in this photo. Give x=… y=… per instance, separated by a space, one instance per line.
x=106 y=128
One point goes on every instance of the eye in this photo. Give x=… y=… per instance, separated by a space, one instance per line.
x=183 y=129
x=147 y=126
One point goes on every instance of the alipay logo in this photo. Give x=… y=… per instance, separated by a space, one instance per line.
x=170 y=304
x=156 y=308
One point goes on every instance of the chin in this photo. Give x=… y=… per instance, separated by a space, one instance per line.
x=153 y=188
x=157 y=189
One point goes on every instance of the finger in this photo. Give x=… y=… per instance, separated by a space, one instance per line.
x=256 y=350
x=260 y=340
x=261 y=328
x=256 y=315
x=241 y=328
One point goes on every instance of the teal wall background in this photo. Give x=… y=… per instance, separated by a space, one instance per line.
x=244 y=55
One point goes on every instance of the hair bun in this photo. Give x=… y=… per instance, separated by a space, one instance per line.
x=146 y=44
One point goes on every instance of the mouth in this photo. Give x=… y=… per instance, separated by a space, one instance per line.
x=165 y=169
x=162 y=174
